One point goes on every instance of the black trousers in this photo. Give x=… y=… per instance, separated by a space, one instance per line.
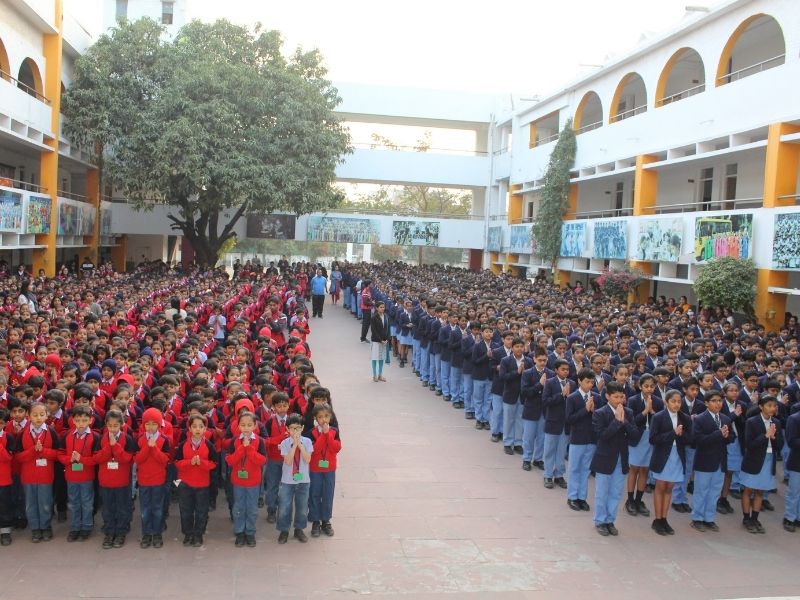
x=193 y=504
x=6 y=509
x=317 y=302
x=367 y=312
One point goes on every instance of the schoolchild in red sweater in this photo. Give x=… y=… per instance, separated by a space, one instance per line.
x=276 y=433
x=6 y=481
x=36 y=452
x=78 y=448
x=195 y=459
x=322 y=470
x=115 y=458
x=151 y=469
x=58 y=420
x=18 y=423
x=246 y=456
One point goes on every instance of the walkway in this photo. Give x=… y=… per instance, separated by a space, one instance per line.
x=425 y=506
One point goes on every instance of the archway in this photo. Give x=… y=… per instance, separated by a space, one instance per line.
x=589 y=114
x=684 y=75
x=756 y=45
x=630 y=98
x=29 y=79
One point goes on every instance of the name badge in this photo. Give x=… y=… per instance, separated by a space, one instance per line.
x=77 y=466
x=323 y=464
x=297 y=477
x=112 y=465
x=41 y=462
x=242 y=474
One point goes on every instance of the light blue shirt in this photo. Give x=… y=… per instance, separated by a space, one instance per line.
x=286 y=474
x=318 y=284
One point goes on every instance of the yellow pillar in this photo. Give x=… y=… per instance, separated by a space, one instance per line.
x=642 y=291
x=119 y=254
x=93 y=193
x=781 y=166
x=515 y=203
x=645 y=190
x=45 y=258
x=770 y=308
x=493 y=267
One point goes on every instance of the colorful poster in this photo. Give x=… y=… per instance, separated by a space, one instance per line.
x=611 y=240
x=522 y=238
x=343 y=229
x=723 y=235
x=416 y=233
x=10 y=211
x=68 y=219
x=660 y=239
x=38 y=214
x=105 y=222
x=494 y=239
x=786 y=241
x=573 y=239
x=273 y=227
x=86 y=219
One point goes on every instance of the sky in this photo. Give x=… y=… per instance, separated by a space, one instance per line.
x=528 y=47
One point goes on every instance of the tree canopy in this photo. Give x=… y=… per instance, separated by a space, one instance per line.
x=727 y=282
x=217 y=119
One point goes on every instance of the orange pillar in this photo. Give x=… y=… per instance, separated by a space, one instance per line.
x=781 y=166
x=119 y=254
x=645 y=191
x=515 y=203
x=770 y=308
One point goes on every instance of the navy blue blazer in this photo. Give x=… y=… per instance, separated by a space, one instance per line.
x=433 y=333
x=454 y=346
x=555 y=406
x=579 y=419
x=444 y=341
x=531 y=392
x=793 y=440
x=481 y=364
x=755 y=444
x=498 y=354
x=712 y=453
x=613 y=438
x=698 y=406
x=404 y=322
x=422 y=331
x=636 y=404
x=662 y=435
x=509 y=373
x=467 y=344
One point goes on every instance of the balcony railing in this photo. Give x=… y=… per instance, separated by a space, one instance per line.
x=752 y=69
x=589 y=127
x=541 y=141
x=404 y=213
x=22 y=185
x=432 y=150
x=24 y=87
x=733 y=204
x=604 y=213
x=72 y=196
x=681 y=95
x=627 y=114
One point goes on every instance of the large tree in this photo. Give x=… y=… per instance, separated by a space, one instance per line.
x=217 y=120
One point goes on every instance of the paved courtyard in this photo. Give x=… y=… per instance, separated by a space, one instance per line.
x=425 y=506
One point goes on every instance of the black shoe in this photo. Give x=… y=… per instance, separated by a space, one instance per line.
x=574 y=504
x=560 y=482
x=641 y=509
x=787 y=526
x=759 y=527
x=439 y=393
x=260 y=503
x=283 y=537
x=119 y=541
x=711 y=526
x=469 y=416
x=5 y=539
x=300 y=536
x=686 y=508
x=584 y=505
x=630 y=508
x=750 y=525
x=518 y=449
x=548 y=483
x=508 y=449
x=73 y=536
x=21 y=523
x=158 y=541
x=250 y=540
x=611 y=529
x=526 y=465
x=539 y=464
x=658 y=527
x=62 y=516
x=197 y=541
x=432 y=387
x=315 y=529
x=667 y=527
x=327 y=528
x=724 y=507
x=84 y=535
x=449 y=399
x=496 y=437
x=147 y=541
x=108 y=542
x=187 y=539
x=678 y=508
x=698 y=526
x=36 y=536
x=478 y=425
x=649 y=488
x=767 y=505
x=602 y=529
x=690 y=487
x=459 y=405
x=239 y=543
x=272 y=516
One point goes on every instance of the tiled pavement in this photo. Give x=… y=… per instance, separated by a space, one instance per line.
x=425 y=506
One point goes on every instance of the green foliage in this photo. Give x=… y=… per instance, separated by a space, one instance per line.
x=727 y=283
x=217 y=119
x=555 y=192
x=616 y=283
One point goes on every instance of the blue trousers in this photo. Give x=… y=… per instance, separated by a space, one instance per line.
x=679 y=493
x=456 y=391
x=274 y=470
x=435 y=361
x=792 y=511
x=532 y=439
x=707 y=487
x=415 y=354
x=444 y=376
x=580 y=459
x=466 y=393
x=512 y=424
x=151 y=504
x=80 y=501
x=38 y=505
x=496 y=420
x=480 y=399
x=320 y=498
x=292 y=494
x=607 y=494
x=555 y=445
x=424 y=363
x=245 y=509
x=117 y=508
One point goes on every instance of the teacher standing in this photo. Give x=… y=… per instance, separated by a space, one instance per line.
x=379 y=337
x=319 y=285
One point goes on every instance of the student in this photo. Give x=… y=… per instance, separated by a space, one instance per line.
x=79 y=446
x=276 y=433
x=554 y=400
x=296 y=451
x=246 y=457
x=763 y=442
x=195 y=458
x=151 y=468
x=581 y=405
x=712 y=432
x=644 y=406
x=691 y=405
x=511 y=369
x=115 y=458
x=480 y=357
x=670 y=433
x=322 y=471
x=531 y=388
x=496 y=390
x=6 y=481
x=614 y=429
x=791 y=515
x=735 y=411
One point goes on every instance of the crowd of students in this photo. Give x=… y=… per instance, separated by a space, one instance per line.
x=648 y=398
x=167 y=385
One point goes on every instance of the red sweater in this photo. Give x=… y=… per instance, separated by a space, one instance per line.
x=326 y=447
x=277 y=433
x=197 y=476
x=151 y=463
x=26 y=455
x=87 y=448
x=6 y=446
x=250 y=459
x=120 y=453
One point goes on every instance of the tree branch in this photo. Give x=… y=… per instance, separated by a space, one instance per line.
x=228 y=230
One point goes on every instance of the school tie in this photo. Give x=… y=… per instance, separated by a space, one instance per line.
x=296 y=462
x=716 y=420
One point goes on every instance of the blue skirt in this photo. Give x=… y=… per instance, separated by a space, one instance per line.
x=764 y=480
x=406 y=340
x=734 y=456
x=639 y=455
x=393 y=330
x=673 y=470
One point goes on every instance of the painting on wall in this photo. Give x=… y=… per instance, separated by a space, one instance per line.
x=38 y=214
x=343 y=229
x=611 y=240
x=10 y=211
x=522 y=238
x=786 y=241
x=660 y=239
x=573 y=239
x=494 y=239
x=723 y=235
x=416 y=233
x=273 y=227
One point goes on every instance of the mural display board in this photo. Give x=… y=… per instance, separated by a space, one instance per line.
x=10 y=211
x=611 y=240
x=343 y=229
x=273 y=227
x=723 y=235
x=786 y=242
x=38 y=213
x=494 y=239
x=573 y=239
x=659 y=239
x=416 y=233
x=522 y=238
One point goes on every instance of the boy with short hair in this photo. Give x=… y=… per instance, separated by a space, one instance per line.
x=296 y=451
x=277 y=432
x=79 y=446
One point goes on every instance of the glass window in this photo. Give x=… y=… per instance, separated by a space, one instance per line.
x=122 y=9
x=167 y=9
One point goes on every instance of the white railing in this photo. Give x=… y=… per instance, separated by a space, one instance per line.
x=775 y=61
x=682 y=94
x=589 y=127
x=627 y=114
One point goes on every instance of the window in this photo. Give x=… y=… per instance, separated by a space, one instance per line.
x=167 y=9
x=618 y=193
x=706 y=188
x=731 y=171
x=122 y=9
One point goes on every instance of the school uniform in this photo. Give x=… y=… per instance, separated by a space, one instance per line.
x=532 y=414
x=193 y=491
x=466 y=344
x=276 y=432
x=758 y=463
x=555 y=426
x=416 y=349
x=792 y=467
x=668 y=460
x=582 y=442
x=445 y=356
x=246 y=464
x=456 y=365
x=322 y=473
x=512 y=401
x=294 y=490
x=151 y=475
x=424 y=348
x=710 y=462
x=114 y=476
x=37 y=473
x=434 y=354
x=735 y=451
x=496 y=390
x=6 y=482
x=680 y=494
x=639 y=455
x=481 y=381
x=80 y=476
x=610 y=460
